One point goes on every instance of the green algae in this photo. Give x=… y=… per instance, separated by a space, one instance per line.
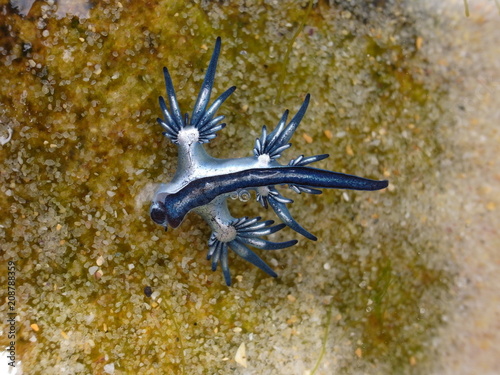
x=86 y=154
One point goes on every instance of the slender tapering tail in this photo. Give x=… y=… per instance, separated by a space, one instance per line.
x=202 y=191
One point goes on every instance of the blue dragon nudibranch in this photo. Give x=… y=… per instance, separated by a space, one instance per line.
x=202 y=183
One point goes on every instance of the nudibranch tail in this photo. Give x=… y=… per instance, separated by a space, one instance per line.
x=203 y=190
x=203 y=183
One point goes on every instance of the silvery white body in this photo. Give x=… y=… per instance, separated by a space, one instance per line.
x=202 y=183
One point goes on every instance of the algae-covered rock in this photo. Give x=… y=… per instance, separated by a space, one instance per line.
x=99 y=288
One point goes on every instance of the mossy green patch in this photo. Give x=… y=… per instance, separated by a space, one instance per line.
x=86 y=154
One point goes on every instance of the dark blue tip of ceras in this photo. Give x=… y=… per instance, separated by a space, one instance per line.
x=176 y=114
x=287 y=134
x=202 y=191
x=206 y=87
x=282 y=211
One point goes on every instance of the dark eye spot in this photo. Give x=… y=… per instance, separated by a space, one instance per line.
x=148 y=291
x=158 y=212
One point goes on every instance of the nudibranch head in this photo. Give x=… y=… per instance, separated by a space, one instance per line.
x=158 y=213
x=203 y=183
